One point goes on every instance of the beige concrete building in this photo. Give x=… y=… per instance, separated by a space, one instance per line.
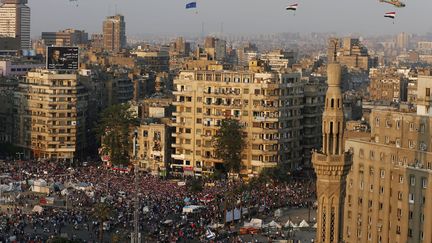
x=387 y=85
x=154 y=145
x=51 y=110
x=388 y=196
x=385 y=196
x=278 y=59
x=267 y=104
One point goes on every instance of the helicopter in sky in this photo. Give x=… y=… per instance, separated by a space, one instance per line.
x=395 y=3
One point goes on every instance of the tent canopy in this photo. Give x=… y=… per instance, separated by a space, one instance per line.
x=303 y=224
x=273 y=224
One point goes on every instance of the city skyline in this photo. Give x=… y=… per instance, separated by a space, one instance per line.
x=163 y=18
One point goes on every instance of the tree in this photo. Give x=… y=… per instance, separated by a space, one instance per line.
x=195 y=185
x=102 y=212
x=115 y=125
x=229 y=143
x=275 y=174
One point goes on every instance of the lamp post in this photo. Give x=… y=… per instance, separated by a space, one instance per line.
x=136 y=235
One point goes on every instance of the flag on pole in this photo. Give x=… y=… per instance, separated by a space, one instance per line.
x=191 y=5
x=292 y=7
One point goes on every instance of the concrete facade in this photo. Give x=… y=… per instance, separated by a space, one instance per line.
x=51 y=115
x=267 y=104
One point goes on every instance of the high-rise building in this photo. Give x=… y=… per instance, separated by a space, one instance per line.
x=15 y=22
x=51 y=115
x=402 y=41
x=68 y=37
x=313 y=104
x=215 y=48
x=331 y=163
x=114 y=33
x=267 y=104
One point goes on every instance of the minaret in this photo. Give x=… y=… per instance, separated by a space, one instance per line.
x=331 y=164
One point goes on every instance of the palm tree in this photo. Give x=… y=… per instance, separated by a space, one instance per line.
x=102 y=212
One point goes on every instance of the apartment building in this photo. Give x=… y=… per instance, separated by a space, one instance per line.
x=267 y=104
x=51 y=110
x=154 y=145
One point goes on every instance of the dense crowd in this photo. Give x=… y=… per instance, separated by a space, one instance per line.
x=161 y=203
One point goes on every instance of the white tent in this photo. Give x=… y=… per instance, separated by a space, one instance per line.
x=254 y=223
x=289 y=224
x=303 y=224
x=315 y=225
x=273 y=224
x=37 y=209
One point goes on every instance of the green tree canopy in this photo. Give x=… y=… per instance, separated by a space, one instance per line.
x=275 y=174
x=115 y=125
x=229 y=143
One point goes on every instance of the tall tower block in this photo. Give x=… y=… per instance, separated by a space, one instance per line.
x=332 y=163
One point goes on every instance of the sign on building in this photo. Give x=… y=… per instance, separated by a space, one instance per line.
x=62 y=58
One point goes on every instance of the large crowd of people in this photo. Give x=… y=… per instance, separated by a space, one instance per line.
x=161 y=202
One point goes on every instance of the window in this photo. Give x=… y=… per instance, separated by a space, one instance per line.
x=377 y=121
x=424 y=183
x=387 y=140
x=388 y=123
x=422 y=127
x=382 y=173
x=411 y=198
x=411 y=144
x=427 y=91
x=412 y=180
x=401 y=179
x=398 y=124
x=371 y=188
x=398 y=144
x=400 y=195
x=411 y=126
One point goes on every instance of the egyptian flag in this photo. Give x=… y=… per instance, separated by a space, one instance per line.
x=191 y=5
x=292 y=7
x=391 y=15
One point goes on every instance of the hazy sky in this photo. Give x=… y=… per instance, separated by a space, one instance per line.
x=238 y=16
